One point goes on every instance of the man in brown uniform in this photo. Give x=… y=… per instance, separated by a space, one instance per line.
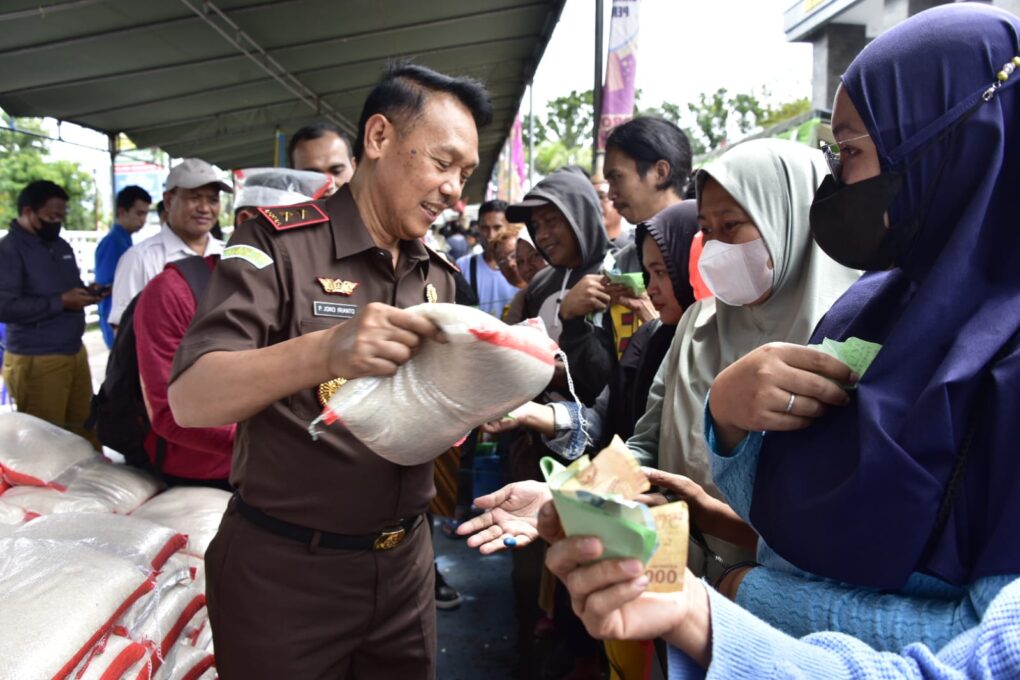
x=322 y=567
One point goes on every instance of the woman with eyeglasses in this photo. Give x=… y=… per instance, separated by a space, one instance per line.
x=897 y=498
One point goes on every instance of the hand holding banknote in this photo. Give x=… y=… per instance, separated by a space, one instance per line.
x=614 y=600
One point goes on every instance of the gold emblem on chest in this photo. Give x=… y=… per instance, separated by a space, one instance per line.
x=337 y=286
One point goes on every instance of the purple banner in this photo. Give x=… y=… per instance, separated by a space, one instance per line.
x=618 y=93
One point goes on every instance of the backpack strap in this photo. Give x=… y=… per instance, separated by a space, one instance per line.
x=196 y=271
x=474 y=275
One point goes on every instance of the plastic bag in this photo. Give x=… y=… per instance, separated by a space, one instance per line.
x=119 y=487
x=188 y=663
x=145 y=544
x=34 y=452
x=117 y=657
x=59 y=599
x=193 y=511
x=39 y=500
x=177 y=607
x=484 y=371
x=11 y=514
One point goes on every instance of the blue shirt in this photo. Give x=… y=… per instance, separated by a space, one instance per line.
x=108 y=254
x=924 y=610
x=745 y=647
x=33 y=276
x=494 y=291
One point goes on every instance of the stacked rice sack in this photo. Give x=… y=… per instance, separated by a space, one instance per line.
x=97 y=568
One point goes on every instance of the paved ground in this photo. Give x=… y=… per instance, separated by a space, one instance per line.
x=476 y=641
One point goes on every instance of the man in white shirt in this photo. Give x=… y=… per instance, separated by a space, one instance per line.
x=192 y=199
x=481 y=270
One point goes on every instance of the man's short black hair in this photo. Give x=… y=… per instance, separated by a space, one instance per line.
x=161 y=208
x=128 y=196
x=648 y=140
x=314 y=131
x=35 y=194
x=403 y=91
x=495 y=205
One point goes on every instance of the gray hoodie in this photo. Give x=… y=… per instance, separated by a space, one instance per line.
x=588 y=345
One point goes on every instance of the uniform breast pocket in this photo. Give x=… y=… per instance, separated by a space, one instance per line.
x=306 y=404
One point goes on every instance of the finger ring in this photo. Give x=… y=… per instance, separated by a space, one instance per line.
x=789 y=403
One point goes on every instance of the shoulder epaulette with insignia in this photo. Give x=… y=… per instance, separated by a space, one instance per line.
x=284 y=217
x=436 y=255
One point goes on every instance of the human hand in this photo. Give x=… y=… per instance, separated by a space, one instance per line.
x=730 y=583
x=754 y=393
x=610 y=596
x=530 y=416
x=99 y=290
x=684 y=488
x=510 y=511
x=77 y=299
x=709 y=514
x=376 y=341
x=588 y=295
x=639 y=304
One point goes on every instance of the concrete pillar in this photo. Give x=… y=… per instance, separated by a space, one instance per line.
x=835 y=46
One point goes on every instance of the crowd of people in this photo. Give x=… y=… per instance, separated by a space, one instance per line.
x=841 y=524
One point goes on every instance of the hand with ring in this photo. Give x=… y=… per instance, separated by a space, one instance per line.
x=778 y=387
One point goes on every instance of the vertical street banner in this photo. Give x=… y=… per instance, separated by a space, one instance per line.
x=511 y=170
x=618 y=93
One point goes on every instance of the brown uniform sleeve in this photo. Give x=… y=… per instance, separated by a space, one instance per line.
x=246 y=303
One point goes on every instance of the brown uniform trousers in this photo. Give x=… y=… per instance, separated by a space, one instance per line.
x=337 y=614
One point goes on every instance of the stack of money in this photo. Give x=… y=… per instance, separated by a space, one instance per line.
x=600 y=498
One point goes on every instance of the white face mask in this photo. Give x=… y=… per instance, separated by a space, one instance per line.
x=737 y=274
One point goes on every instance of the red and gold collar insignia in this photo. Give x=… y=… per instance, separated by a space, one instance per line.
x=337 y=286
x=293 y=216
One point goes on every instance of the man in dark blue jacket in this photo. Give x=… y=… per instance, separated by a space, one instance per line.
x=42 y=299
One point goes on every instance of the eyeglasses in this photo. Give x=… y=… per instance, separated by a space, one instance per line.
x=832 y=150
x=507 y=261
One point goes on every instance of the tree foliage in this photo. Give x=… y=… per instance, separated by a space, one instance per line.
x=563 y=133
x=24 y=158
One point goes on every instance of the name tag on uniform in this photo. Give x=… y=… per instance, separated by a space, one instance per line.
x=334 y=310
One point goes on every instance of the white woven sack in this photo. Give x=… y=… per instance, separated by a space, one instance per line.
x=173 y=574
x=35 y=452
x=121 y=488
x=41 y=500
x=177 y=607
x=484 y=371
x=146 y=544
x=119 y=658
x=204 y=641
x=185 y=662
x=11 y=514
x=193 y=511
x=58 y=599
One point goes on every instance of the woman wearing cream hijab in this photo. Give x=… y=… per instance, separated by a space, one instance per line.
x=772 y=283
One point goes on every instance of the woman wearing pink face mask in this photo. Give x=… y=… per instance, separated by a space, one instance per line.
x=772 y=283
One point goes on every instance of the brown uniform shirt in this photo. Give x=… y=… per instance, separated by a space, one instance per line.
x=335 y=483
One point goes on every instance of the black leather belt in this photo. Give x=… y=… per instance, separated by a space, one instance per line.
x=384 y=540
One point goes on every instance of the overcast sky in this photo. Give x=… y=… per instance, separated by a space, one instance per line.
x=685 y=47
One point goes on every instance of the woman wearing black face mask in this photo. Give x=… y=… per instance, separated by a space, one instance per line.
x=909 y=484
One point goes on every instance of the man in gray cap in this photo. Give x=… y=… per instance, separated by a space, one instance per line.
x=192 y=198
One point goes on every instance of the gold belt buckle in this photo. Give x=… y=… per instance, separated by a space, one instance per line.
x=388 y=540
